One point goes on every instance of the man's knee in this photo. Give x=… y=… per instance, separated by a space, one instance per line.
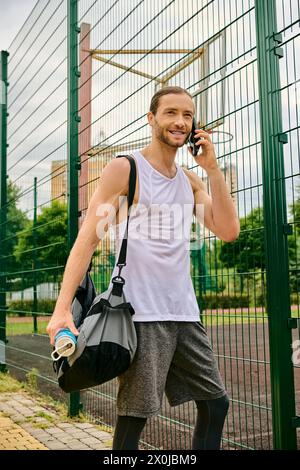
x=226 y=403
x=218 y=405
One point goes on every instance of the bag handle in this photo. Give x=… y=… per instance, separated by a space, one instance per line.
x=118 y=281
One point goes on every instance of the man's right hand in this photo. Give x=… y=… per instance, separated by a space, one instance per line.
x=59 y=320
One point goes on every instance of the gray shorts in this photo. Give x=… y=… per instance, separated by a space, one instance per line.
x=175 y=357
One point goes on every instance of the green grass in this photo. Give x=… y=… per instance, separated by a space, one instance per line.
x=8 y=384
x=209 y=318
x=13 y=329
x=232 y=319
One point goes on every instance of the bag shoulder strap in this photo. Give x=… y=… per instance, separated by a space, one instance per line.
x=118 y=281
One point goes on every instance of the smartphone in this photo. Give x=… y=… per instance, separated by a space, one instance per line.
x=192 y=141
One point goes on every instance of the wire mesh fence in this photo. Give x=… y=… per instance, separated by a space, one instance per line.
x=126 y=51
x=34 y=251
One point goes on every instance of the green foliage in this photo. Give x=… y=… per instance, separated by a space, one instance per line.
x=21 y=327
x=202 y=260
x=8 y=384
x=260 y=300
x=32 y=378
x=295 y=212
x=16 y=222
x=294 y=247
x=45 y=246
x=247 y=253
x=294 y=260
x=223 y=301
x=23 y=308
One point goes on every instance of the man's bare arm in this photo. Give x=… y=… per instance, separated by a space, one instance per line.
x=217 y=212
x=101 y=212
x=220 y=215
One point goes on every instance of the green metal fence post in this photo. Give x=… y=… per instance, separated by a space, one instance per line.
x=73 y=165
x=35 y=308
x=278 y=297
x=3 y=200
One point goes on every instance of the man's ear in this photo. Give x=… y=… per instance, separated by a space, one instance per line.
x=150 y=117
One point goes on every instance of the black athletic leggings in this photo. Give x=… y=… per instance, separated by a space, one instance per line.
x=207 y=433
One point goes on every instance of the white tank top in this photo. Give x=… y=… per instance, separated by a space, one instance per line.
x=157 y=275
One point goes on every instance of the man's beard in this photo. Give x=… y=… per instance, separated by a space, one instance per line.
x=159 y=133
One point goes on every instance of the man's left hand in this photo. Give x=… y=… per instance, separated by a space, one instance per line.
x=207 y=158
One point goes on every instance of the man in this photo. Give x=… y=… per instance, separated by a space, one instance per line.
x=174 y=354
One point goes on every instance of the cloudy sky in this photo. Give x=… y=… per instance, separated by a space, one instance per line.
x=13 y=14
x=38 y=100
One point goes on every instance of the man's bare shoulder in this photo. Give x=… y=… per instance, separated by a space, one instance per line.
x=116 y=175
x=195 y=180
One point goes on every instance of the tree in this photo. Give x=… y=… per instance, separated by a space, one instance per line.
x=247 y=253
x=45 y=247
x=295 y=246
x=295 y=212
x=16 y=222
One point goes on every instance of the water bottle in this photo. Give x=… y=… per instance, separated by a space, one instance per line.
x=65 y=344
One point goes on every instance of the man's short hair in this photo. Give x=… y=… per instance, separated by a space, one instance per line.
x=167 y=90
